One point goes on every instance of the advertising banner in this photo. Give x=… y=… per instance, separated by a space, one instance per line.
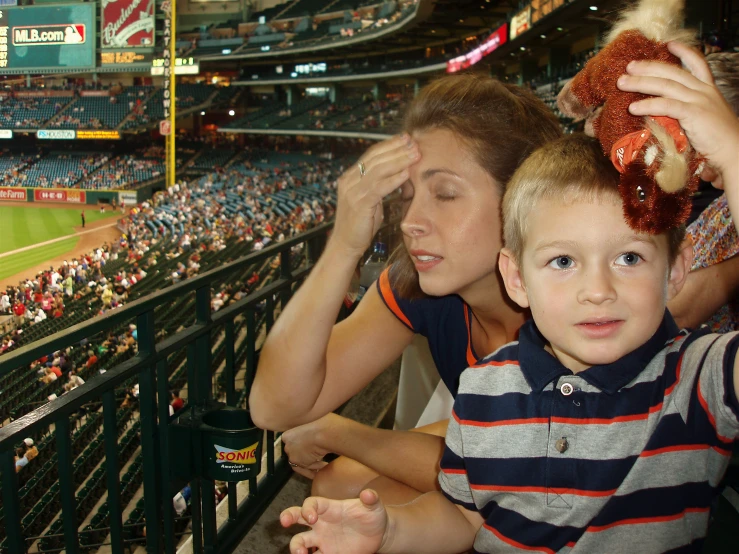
x=98 y=134
x=521 y=22
x=59 y=195
x=127 y=23
x=55 y=36
x=127 y=197
x=496 y=38
x=55 y=134
x=13 y=194
x=6 y=134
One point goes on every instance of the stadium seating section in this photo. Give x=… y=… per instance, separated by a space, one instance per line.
x=296 y=24
x=134 y=106
x=224 y=221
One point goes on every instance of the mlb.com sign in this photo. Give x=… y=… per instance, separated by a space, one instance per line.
x=44 y=35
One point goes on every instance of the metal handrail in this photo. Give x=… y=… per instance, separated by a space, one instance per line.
x=151 y=367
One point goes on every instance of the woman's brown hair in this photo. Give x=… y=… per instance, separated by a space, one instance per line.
x=501 y=125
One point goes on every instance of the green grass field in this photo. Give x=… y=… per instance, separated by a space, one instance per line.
x=15 y=263
x=25 y=225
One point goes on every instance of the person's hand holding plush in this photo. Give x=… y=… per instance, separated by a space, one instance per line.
x=659 y=167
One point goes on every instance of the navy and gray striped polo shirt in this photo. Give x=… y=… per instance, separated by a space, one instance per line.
x=625 y=457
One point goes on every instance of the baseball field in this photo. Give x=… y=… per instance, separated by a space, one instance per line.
x=32 y=236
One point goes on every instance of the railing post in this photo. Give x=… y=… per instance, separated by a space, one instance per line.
x=195 y=505
x=11 y=505
x=67 y=485
x=205 y=393
x=149 y=439
x=230 y=369
x=112 y=470
x=315 y=248
x=166 y=462
x=203 y=346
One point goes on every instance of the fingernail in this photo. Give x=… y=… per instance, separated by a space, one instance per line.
x=413 y=154
x=622 y=80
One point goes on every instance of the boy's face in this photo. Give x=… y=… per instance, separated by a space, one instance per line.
x=597 y=289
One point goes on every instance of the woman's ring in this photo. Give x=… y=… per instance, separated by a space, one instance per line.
x=362 y=169
x=292 y=464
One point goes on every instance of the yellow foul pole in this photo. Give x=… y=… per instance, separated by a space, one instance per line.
x=167 y=126
x=172 y=161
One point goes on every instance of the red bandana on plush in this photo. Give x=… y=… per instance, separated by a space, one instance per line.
x=659 y=169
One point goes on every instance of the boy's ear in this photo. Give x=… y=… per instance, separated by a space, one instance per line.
x=512 y=278
x=680 y=269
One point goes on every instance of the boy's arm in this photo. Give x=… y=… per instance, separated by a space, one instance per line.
x=431 y=524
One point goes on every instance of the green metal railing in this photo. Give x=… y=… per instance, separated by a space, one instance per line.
x=151 y=367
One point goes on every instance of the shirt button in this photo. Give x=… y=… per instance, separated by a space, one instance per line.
x=561 y=445
x=566 y=389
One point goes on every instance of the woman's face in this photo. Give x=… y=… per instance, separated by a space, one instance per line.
x=451 y=224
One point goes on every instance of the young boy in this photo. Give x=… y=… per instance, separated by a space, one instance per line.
x=603 y=429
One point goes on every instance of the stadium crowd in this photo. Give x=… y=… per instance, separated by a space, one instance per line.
x=191 y=219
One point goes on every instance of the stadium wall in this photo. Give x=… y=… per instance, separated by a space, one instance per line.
x=72 y=196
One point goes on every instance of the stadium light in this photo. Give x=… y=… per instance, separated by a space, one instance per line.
x=231 y=113
x=543 y=36
x=593 y=8
x=202 y=113
x=293 y=74
x=226 y=51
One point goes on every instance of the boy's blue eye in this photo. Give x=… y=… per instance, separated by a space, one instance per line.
x=630 y=258
x=561 y=262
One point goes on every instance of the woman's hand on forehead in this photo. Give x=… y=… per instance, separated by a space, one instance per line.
x=362 y=188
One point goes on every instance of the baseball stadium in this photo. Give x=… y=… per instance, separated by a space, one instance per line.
x=176 y=175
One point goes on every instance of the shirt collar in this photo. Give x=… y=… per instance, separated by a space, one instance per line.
x=540 y=367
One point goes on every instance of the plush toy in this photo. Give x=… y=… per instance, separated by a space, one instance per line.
x=659 y=169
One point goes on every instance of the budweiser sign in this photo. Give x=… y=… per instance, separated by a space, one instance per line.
x=15 y=194
x=127 y=23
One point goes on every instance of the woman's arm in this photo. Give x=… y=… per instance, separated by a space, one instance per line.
x=705 y=291
x=378 y=449
x=309 y=366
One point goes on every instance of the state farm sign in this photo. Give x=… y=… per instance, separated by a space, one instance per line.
x=14 y=194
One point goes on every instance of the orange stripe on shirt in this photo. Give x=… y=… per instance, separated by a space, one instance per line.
x=643 y=520
x=496 y=363
x=712 y=419
x=599 y=420
x=669 y=389
x=503 y=422
x=544 y=490
x=389 y=297
x=517 y=544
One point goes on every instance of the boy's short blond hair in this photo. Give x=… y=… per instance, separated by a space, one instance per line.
x=572 y=168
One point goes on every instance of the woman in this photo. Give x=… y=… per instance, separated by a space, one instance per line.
x=464 y=137
x=308 y=367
